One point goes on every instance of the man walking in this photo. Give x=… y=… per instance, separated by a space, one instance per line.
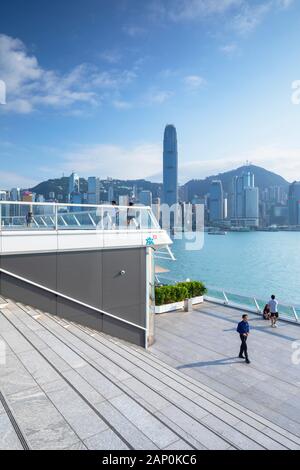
x=273 y=306
x=243 y=330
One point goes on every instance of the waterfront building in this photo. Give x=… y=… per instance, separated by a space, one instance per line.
x=74 y=189
x=216 y=201
x=244 y=201
x=146 y=198
x=110 y=193
x=93 y=194
x=124 y=200
x=156 y=208
x=170 y=166
x=294 y=203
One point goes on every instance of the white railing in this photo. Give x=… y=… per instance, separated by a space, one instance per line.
x=60 y=216
x=290 y=313
x=71 y=299
x=252 y=304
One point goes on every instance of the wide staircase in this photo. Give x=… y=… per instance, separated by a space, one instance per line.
x=65 y=386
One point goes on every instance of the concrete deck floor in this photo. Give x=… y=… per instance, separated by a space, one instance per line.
x=64 y=386
x=203 y=344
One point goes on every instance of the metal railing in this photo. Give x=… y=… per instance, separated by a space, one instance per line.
x=252 y=304
x=71 y=299
x=290 y=313
x=56 y=216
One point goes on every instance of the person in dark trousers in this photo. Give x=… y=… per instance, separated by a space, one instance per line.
x=266 y=312
x=243 y=329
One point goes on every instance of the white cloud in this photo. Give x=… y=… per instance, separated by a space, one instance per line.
x=111 y=56
x=29 y=86
x=243 y=16
x=250 y=16
x=120 y=104
x=229 y=49
x=9 y=179
x=285 y=3
x=137 y=161
x=155 y=97
x=194 y=9
x=133 y=30
x=284 y=161
x=194 y=82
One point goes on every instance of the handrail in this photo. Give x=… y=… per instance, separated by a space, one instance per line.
x=67 y=204
x=59 y=294
x=224 y=299
x=62 y=210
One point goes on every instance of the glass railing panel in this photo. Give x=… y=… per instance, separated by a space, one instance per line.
x=16 y=216
x=241 y=300
x=215 y=294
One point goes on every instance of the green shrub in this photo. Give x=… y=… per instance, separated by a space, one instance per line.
x=195 y=288
x=178 y=292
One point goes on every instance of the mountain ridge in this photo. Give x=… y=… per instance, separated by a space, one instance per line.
x=195 y=187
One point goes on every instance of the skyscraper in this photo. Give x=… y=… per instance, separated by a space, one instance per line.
x=146 y=198
x=170 y=166
x=216 y=201
x=244 y=207
x=93 y=195
x=294 y=203
x=74 y=183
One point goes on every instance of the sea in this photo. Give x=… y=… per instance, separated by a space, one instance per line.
x=252 y=264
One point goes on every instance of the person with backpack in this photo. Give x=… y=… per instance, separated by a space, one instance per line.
x=243 y=329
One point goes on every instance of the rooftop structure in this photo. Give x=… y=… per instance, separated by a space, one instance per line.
x=90 y=263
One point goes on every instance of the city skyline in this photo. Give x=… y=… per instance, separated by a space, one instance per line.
x=94 y=99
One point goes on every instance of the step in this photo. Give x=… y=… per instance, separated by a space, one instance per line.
x=141 y=435
x=285 y=437
x=221 y=426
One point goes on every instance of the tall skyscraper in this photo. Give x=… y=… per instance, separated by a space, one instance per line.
x=294 y=203
x=244 y=201
x=170 y=166
x=145 y=198
x=216 y=201
x=93 y=195
x=74 y=196
x=74 y=183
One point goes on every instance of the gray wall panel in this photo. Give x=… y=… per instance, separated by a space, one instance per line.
x=76 y=313
x=37 y=267
x=122 y=330
x=133 y=313
x=122 y=293
x=92 y=277
x=79 y=275
x=27 y=294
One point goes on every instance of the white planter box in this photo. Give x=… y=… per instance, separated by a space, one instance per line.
x=169 y=307
x=197 y=300
x=177 y=305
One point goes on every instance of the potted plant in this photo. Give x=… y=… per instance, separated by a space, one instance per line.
x=169 y=298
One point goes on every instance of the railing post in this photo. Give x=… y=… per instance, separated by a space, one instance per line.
x=225 y=297
x=256 y=305
x=55 y=217
x=102 y=220
x=296 y=314
x=0 y=217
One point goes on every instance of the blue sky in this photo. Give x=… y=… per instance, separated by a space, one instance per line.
x=91 y=85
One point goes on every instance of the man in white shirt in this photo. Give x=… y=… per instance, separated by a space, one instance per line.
x=273 y=306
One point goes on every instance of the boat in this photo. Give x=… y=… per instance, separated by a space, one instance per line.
x=217 y=232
